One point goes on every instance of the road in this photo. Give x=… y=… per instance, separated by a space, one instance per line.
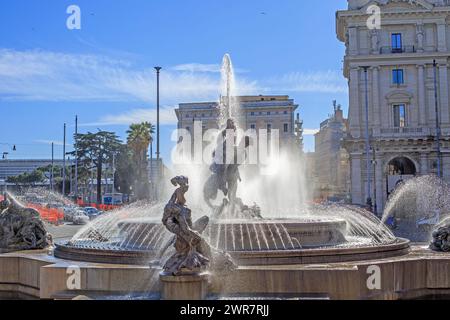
x=63 y=232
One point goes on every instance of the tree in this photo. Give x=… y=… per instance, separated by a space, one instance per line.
x=94 y=151
x=140 y=136
x=124 y=177
x=29 y=178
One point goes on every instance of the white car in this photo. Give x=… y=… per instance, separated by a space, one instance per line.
x=80 y=218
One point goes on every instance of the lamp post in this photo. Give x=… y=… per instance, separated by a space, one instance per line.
x=64 y=163
x=368 y=164
x=438 y=128
x=158 y=71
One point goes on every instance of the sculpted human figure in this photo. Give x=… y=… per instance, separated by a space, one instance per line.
x=193 y=253
x=226 y=175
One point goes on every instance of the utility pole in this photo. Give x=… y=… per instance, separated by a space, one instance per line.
x=70 y=175
x=64 y=163
x=368 y=164
x=438 y=127
x=76 y=158
x=52 y=169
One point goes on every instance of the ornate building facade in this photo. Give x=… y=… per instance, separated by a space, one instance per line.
x=331 y=159
x=256 y=112
x=393 y=69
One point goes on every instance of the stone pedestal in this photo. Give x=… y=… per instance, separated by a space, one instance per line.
x=184 y=287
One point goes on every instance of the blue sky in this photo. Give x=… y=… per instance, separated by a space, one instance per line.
x=104 y=72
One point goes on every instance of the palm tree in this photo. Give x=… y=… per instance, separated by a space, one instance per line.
x=140 y=136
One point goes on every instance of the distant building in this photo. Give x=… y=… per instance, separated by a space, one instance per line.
x=331 y=159
x=12 y=168
x=257 y=112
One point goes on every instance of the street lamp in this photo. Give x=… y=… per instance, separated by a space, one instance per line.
x=158 y=70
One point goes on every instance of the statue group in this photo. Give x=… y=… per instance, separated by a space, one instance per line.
x=21 y=228
x=441 y=237
x=193 y=254
x=226 y=177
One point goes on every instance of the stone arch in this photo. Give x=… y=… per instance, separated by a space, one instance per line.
x=401 y=165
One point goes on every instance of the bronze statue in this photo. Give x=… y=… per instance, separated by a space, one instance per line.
x=226 y=177
x=441 y=237
x=193 y=254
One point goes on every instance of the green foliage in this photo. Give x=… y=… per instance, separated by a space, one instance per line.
x=94 y=151
x=140 y=136
x=32 y=178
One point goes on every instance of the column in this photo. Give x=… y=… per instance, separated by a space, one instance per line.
x=356 y=182
x=354 y=117
x=353 y=40
x=379 y=175
x=422 y=100
x=441 y=37
x=424 y=164
x=376 y=108
x=443 y=92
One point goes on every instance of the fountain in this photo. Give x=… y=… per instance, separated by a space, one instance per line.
x=304 y=235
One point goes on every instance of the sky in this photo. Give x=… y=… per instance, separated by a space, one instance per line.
x=104 y=72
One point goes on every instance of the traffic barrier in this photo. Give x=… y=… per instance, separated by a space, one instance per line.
x=50 y=215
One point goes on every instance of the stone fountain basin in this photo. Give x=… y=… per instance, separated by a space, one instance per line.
x=250 y=242
x=245 y=235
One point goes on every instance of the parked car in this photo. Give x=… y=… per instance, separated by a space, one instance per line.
x=80 y=218
x=69 y=213
x=92 y=212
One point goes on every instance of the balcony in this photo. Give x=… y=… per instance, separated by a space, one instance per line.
x=406 y=132
x=394 y=50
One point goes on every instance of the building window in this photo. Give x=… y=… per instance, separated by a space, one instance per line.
x=268 y=113
x=286 y=128
x=188 y=129
x=252 y=113
x=253 y=126
x=187 y=115
x=285 y=112
x=396 y=41
x=269 y=127
x=397 y=76
x=399 y=116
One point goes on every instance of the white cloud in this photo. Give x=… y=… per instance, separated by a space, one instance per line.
x=167 y=117
x=197 y=67
x=50 y=76
x=38 y=75
x=43 y=141
x=317 y=81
